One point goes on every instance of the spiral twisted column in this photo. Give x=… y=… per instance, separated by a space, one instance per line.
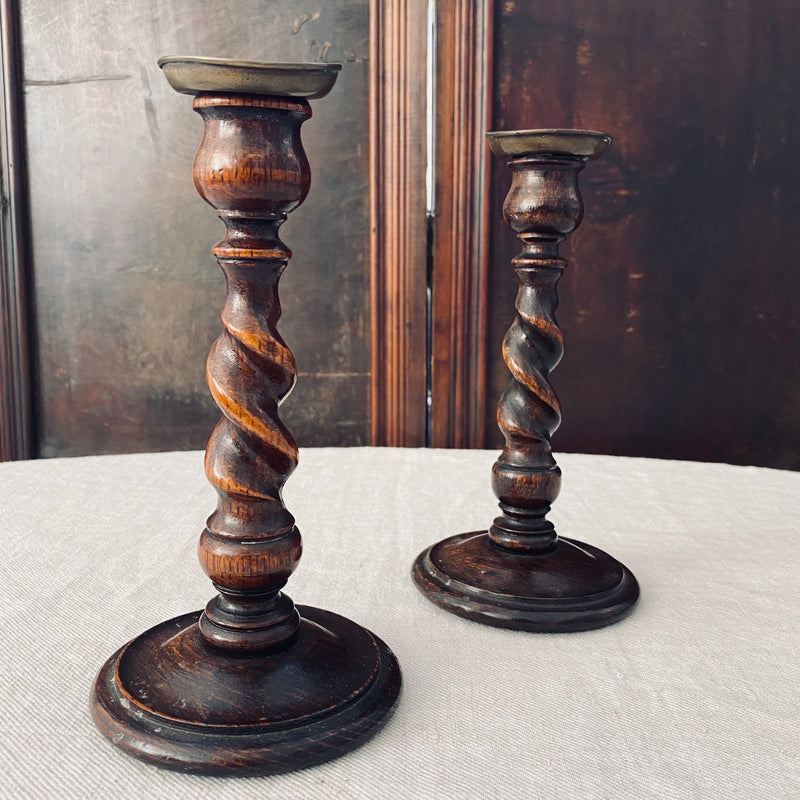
x=250 y=545
x=253 y=684
x=525 y=477
x=520 y=573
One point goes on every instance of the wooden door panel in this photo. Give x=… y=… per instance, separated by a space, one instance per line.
x=127 y=294
x=679 y=305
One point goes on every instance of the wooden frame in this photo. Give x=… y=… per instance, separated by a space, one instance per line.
x=398 y=222
x=406 y=360
x=455 y=360
x=16 y=418
x=460 y=233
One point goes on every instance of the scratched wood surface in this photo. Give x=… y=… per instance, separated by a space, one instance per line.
x=680 y=305
x=128 y=295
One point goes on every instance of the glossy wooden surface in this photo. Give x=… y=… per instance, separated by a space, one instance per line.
x=459 y=236
x=573 y=587
x=252 y=168
x=249 y=686
x=701 y=107
x=519 y=574
x=398 y=243
x=172 y=700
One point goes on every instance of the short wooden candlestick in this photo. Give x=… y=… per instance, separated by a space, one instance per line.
x=520 y=574
x=253 y=684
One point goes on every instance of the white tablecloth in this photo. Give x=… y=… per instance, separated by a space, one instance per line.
x=695 y=695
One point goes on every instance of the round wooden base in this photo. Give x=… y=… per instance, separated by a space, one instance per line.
x=169 y=698
x=573 y=587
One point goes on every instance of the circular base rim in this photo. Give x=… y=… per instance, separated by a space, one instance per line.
x=247 y=750
x=537 y=614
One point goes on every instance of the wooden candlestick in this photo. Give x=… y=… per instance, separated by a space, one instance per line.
x=252 y=685
x=520 y=574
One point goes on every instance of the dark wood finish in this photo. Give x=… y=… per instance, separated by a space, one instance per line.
x=17 y=436
x=126 y=309
x=252 y=714
x=397 y=211
x=716 y=167
x=519 y=574
x=460 y=236
x=680 y=302
x=253 y=685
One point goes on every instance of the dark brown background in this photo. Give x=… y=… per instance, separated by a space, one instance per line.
x=679 y=306
x=681 y=303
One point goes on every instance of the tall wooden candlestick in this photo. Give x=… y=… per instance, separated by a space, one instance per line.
x=520 y=574
x=252 y=685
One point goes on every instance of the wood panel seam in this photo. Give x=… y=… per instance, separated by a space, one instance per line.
x=398 y=222
x=460 y=240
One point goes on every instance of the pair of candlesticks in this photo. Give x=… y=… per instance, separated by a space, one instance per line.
x=257 y=685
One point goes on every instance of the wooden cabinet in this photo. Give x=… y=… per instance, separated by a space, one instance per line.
x=678 y=308
x=125 y=294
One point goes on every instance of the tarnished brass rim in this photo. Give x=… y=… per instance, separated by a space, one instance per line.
x=193 y=75
x=549 y=141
